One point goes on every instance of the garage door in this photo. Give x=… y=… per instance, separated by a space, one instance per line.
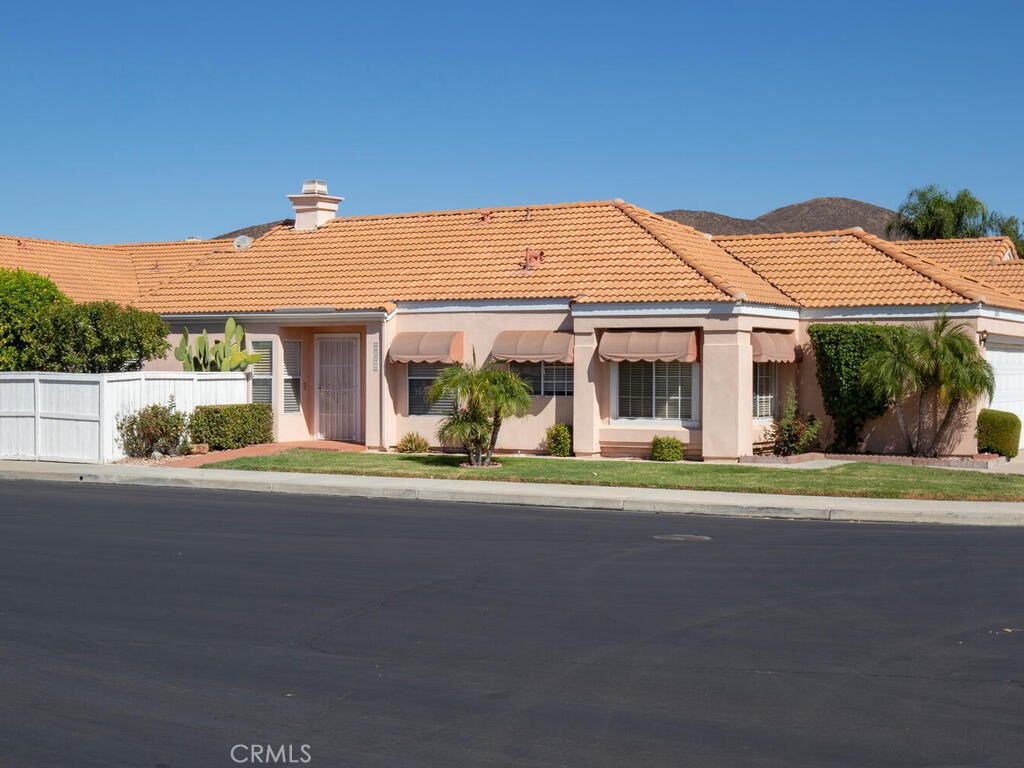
x=1008 y=362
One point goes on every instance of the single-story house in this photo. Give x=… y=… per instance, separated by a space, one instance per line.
x=626 y=325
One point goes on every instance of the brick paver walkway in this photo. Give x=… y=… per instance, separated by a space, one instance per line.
x=265 y=449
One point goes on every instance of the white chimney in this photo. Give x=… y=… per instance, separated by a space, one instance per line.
x=314 y=207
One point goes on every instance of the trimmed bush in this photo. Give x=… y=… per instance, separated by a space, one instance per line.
x=413 y=442
x=559 y=440
x=232 y=426
x=160 y=428
x=840 y=351
x=998 y=432
x=667 y=449
x=794 y=432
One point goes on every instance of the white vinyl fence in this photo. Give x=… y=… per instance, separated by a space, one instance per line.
x=72 y=416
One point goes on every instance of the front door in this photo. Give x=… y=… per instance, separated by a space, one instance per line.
x=338 y=401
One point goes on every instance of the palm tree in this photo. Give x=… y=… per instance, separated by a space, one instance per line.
x=891 y=374
x=954 y=371
x=931 y=213
x=942 y=366
x=484 y=397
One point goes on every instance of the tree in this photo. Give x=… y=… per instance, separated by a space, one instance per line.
x=23 y=295
x=940 y=366
x=484 y=397
x=932 y=213
x=95 y=337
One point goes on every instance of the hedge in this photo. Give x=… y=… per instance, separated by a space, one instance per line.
x=232 y=426
x=998 y=432
x=840 y=351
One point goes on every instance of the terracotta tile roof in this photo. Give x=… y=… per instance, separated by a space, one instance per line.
x=83 y=272
x=852 y=268
x=598 y=252
x=591 y=252
x=155 y=263
x=993 y=260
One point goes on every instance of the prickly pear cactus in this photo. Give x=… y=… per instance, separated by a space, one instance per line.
x=226 y=355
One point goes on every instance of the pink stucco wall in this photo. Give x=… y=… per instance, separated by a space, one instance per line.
x=724 y=428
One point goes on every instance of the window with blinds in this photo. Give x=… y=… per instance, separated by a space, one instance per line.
x=292 y=376
x=263 y=372
x=546 y=379
x=766 y=385
x=421 y=376
x=656 y=390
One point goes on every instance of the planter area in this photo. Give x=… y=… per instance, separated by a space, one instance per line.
x=978 y=461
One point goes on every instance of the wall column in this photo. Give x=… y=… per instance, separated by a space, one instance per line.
x=373 y=366
x=727 y=393
x=586 y=413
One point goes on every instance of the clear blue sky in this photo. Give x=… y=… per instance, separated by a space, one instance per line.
x=135 y=121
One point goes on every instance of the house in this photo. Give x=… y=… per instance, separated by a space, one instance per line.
x=626 y=324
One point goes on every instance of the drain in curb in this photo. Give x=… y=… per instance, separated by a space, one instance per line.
x=682 y=537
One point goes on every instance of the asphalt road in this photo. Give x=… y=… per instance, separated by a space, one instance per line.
x=152 y=627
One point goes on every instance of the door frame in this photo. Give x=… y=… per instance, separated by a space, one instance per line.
x=316 y=379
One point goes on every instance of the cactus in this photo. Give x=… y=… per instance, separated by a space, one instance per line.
x=226 y=355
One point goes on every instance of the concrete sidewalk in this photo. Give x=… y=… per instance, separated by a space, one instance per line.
x=648 y=500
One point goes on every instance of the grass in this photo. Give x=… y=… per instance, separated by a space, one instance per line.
x=854 y=479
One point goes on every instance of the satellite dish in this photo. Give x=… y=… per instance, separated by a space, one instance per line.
x=242 y=242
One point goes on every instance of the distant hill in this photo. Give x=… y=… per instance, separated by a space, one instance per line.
x=256 y=230
x=821 y=213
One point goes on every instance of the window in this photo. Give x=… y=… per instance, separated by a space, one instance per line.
x=292 y=376
x=657 y=391
x=766 y=386
x=263 y=372
x=421 y=376
x=546 y=379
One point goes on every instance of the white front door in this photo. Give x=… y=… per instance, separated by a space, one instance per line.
x=337 y=397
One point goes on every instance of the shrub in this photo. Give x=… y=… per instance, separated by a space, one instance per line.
x=559 y=440
x=23 y=295
x=841 y=351
x=96 y=337
x=232 y=426
x=794 y=432
x=667 y=449
x=413 y=442
x=998 y=432
x=160 y=428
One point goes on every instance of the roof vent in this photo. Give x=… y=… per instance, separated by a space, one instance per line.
x=242 y=242
x=1008 y=254
x=485 y=217
x=193 y=239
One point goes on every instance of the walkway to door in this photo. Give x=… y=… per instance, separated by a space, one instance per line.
x=264 y=449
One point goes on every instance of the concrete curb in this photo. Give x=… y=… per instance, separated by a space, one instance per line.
x=637 y=500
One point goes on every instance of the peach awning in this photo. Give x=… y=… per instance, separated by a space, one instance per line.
x=426 y=347
x=534 y=347
x=653 y=346
x=773 y=347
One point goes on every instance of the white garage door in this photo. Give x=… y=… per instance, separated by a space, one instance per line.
x=1008 y=362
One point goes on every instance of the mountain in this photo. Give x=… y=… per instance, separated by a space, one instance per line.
x=256 y=230
x=821 y=213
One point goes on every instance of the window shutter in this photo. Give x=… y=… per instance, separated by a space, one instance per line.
x=292 y=376
x=263 y=372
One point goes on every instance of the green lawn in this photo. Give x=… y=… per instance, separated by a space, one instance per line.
x=854 y=479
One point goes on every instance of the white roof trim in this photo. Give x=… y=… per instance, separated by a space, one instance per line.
x=684 y=308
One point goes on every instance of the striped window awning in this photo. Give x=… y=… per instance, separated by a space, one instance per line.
x=652 y=346
x=427 y=347
x=774 y=346
x=534 y=347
